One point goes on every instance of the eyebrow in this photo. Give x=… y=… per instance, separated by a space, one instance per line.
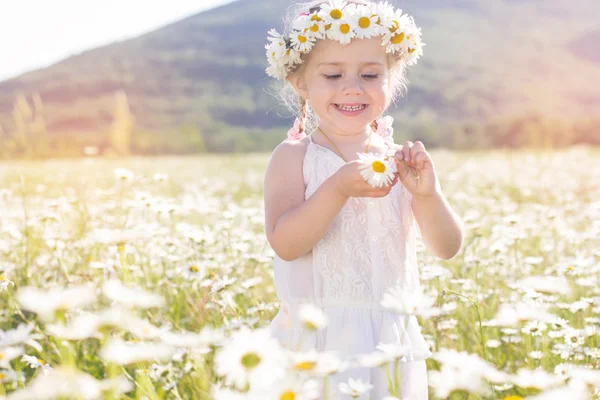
x=341 y=63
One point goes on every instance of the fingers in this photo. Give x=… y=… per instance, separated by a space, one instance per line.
x=410 y=151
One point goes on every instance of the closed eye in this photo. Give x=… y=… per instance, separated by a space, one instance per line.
x=332 y=76
x=371 y=76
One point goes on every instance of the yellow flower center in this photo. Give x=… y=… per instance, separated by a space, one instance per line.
x=327 y=27
x=289 y=395
x=2 y=278
x=345 y=28
x=336 y=14
x=301 y=39
x=193 y=268
x=1 y=355
x=306 y=365
x=411 y=50
x=315 y=18
x=250 y=360
x=2 y=376
x=397 y=39
x=396 y=26
x=41 y=361
x=569 y=268
x=513 y=398
x=364 y=22
x=315 y=28
x=378 y=166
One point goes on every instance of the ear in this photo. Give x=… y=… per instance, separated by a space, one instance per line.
x=299 y=83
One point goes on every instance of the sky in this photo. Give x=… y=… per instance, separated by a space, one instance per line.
x=38 y=33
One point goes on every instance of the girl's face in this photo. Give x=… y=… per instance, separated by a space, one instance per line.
x=348 y=85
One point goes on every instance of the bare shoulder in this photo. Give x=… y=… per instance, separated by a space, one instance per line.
x=284 y=181
x=289 y=148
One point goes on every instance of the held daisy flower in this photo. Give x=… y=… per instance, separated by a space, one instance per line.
x=376 y=169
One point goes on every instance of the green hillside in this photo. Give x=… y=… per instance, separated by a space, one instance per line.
x=483 y=60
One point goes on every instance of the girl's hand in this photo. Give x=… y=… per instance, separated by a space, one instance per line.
x=350 y=183
x=416 y=170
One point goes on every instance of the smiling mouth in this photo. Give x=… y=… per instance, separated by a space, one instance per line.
x=353 y=107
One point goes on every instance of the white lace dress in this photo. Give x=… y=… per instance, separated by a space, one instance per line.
x=369 y=248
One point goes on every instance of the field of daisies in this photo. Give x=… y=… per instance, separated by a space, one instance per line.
x=151 y=278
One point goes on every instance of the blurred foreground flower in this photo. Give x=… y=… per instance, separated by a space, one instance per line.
x=250 y=357
x=463 y=371
x=312 y=317
x=123 y=353
x=131 y=297
x=47 y=303
x=69 y=383
x=354 y=388
x=406 y=302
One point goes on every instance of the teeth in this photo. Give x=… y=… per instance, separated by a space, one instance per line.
x=353 y=108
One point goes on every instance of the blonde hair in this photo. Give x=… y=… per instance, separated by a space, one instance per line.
x=300 y=106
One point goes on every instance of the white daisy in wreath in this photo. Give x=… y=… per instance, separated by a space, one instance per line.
x=342 y=31
x=302 y=42
x=366 y=23
x=333 y=11
x=376 y=170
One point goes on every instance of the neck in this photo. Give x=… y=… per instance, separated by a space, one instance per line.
x=343 y=137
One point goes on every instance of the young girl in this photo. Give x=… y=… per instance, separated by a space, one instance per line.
x=341 y=243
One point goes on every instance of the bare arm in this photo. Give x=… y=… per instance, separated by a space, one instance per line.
x=294 y=225
x=440 y=227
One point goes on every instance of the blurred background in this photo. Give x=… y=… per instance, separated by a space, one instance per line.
x=121 y=78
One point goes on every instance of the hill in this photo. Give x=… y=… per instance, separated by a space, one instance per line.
x=483 y=59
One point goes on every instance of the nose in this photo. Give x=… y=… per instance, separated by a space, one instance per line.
x=352 y=86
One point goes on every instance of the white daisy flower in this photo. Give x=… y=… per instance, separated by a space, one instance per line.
x=375 y=359
x=34 y=362
x=537 y=378
x=7 y=375
x=333 y=11
x=7 y=354
x=329 y=362
x=277 y=70
x=4 y=283
x=396 y=39
x=20 y=335
x=365 y=23
x=534 y=328
x=302 y=42
x=342 y=31
x=119 y=352
x=250 y=357
x=385 y=13
x=314 y=26
x=124 y=174
x=312 y=317
x=131 y=297
x=395 y=351
x=574 y=337
x=290 y=387
x=415 y=50
x=376 y=170
x=193 y=271
x=47 y=303
x=354 y=388
x=304 y=362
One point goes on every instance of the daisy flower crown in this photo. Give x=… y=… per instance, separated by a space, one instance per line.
x=343 y=21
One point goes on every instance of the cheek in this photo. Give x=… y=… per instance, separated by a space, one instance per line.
x=323 y=91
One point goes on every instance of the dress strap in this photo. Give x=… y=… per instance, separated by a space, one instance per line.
x=310 y=138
